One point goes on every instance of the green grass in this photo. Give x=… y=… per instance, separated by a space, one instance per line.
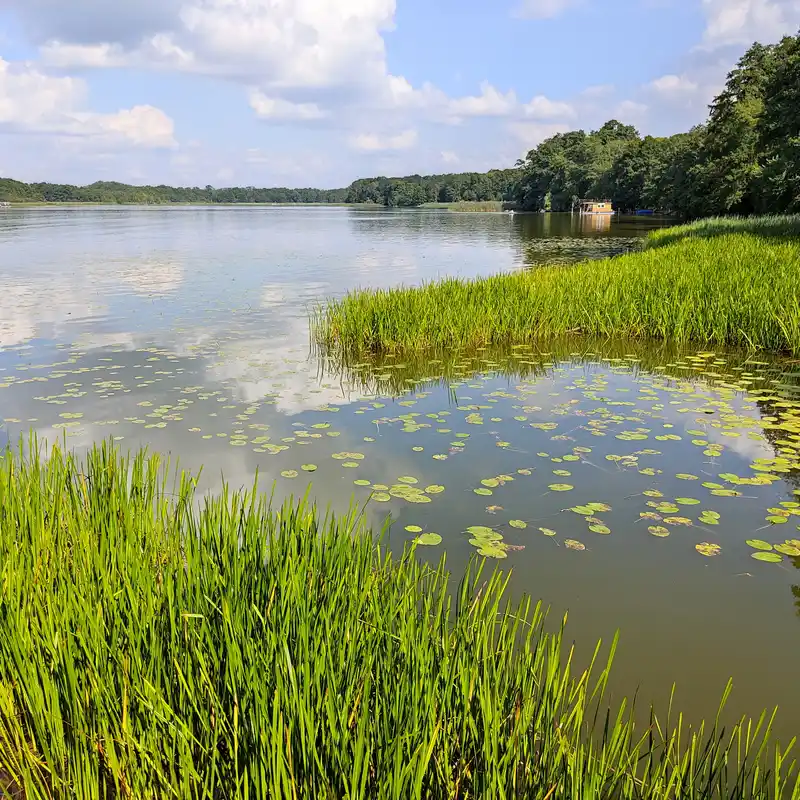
x=718 y=282
x=471 y=205
x=152 y=646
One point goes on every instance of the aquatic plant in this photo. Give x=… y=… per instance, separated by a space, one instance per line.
x=152 y=645
x=717 y=282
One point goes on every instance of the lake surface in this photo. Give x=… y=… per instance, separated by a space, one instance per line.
x=186 y=329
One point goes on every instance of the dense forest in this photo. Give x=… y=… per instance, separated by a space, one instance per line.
x=744 y=159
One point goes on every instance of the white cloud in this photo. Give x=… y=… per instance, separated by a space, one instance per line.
x=489 y=103
x=373 y=142
x=741 y=22
x=544 y=9
x=279 y=109
x=31 y=101
x=449 y=157
x=530 y=134
x=540 y=107
x=674 y=85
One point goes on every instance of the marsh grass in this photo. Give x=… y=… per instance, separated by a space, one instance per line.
x=732 y=282
x=154 y=648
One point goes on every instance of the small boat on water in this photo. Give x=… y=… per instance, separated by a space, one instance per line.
x=598 y=207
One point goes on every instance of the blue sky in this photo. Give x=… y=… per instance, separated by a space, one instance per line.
x=320 y=92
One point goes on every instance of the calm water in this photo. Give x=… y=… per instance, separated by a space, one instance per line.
x=187 y=329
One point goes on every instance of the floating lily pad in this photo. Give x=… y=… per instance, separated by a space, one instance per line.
x=548 y=531
x=603 y=529
x=490 y=482
x=361 y=482
x=574 y=544
x=309 y=467
x=407 y=479
x=289 y=473
x=560 y=487
x=707 y=549
x=434 y=488
x=777 y=520
x=658 y=530
x=428 y=539
x=759 y=544
x=483 y=492
x=771 y=558
x=413 y=528
x=788 y=549
x=518 y=523
x=687 y=501
x=381 y=497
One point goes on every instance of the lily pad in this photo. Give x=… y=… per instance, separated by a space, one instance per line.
x=771 y=558
x=560 y=487
x=548 y=531
x=289 y=473
x=658 y=530
x=428 y=539
x=361 y=482
x=759 y=544
x=434 y=488
x=483 y=492
x=788 y=549
x=407 y=479
x=604 y=529
x=574 y=544
x=707 y=549
x=309 y=467
x=413 y=529
x=518 y=523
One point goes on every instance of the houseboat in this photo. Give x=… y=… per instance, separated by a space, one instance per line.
x=601 y=207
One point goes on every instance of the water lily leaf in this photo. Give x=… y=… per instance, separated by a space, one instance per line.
x=707 y=549
x=413 y=529
x=677 y=521
x=407 y=479
x=518 y=523
x=428 y=539
x=361 y=482
x=759 y=544
x=289 y=473
x=548 y=531
x=652 y=493
x=599 y=506
x=771 y=558
x=381 y=497
x=562 y=473
x=658 y=530
x=490 y=482
x=525 y=472
x=650 y=515
x=490 y=550
x=600 y=529
x=483 y=492
x=776 y=520
x=687 y=501
x=350 y=464
x=434 y=488
x=788 y=549
x=574 y=544
x=560 y=487
x=309 y=467
x=685 y=476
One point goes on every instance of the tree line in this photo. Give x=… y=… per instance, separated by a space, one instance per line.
x=744 y=159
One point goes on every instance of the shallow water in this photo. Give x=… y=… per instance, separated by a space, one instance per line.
x=186 y=329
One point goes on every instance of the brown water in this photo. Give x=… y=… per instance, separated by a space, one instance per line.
x=186 y=329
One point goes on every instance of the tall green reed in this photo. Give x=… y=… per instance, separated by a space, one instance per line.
x=154 y=645
x=717 y=282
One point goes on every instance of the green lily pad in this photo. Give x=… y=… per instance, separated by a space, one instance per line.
x=289 y=473
x=490 y=550
x=658 y=530
x=687 y=501
x=560 y=487
x=413 y=529
x=428 y=539
x=771 y=558
x=381 y=497
x=776 y=520
x=518 y=523
x=483 y=492
x=361 y=482
x=548 y=531
x=434 y=488
x=788 y=549
x=407 y=479
x=600 y=529
x=759 y=544
x=309 y=467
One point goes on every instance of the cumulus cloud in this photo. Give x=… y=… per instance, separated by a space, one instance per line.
x=741 y=22
x=279 y=109
x=489 y=103
x=374 y=142
x=31 y=101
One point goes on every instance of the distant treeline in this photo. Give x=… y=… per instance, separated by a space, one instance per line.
x=744 y=159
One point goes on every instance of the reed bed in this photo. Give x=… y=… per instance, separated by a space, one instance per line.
x=156 y=646
x=733 y=282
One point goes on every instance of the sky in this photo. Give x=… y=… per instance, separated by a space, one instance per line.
x=321 y=92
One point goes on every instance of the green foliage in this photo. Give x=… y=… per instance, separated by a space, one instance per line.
x=718 y=282
x=154 y=646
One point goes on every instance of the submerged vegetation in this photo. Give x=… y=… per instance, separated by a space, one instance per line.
x=718 y=282
x=151 y=648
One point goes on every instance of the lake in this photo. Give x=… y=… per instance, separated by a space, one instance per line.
x=593 y=470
